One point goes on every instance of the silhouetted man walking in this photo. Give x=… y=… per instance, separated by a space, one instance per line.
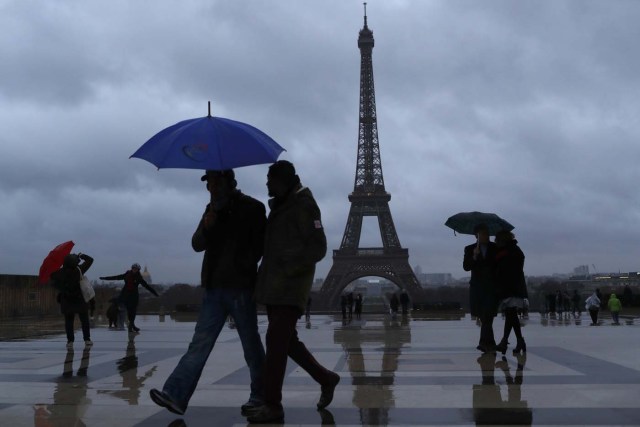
x=294 y=243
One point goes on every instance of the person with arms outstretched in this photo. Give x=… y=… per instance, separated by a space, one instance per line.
x=129 y=295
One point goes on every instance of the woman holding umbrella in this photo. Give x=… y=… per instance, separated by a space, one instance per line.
x=67 y=281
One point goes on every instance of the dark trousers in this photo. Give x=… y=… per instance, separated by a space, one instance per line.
x=512 y=322
x=594 y=315
x=131 y=303
x=282 y=341
x=84 y=321
x=486 y=330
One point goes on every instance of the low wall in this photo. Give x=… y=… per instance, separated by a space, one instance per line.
x=22 y=296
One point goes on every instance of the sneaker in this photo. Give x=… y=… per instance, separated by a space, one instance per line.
x=69 y=344
x=88 y=343
x=267 y=414
x=161 y=398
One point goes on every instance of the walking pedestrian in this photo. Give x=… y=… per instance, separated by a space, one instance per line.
x=343 y=306
x=404 y=302
x=559 y=303
x=66 y=281
x=394 y=305
x=294 y=243
x=593 y=306
x=129 y=295
x=358 y=306
x=479 y=258
x=350 y=304
x=511 y=288
x=575 y=304
x=231 y=234
x=307 y=311
x=614 y=306
x=112 y=313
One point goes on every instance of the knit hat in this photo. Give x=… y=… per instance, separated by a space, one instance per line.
x=285 y=172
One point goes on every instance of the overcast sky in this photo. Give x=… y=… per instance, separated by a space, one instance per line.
x=524 y=108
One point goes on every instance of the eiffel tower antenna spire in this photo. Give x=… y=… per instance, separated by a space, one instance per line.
x=365 y=14
x=369 y=198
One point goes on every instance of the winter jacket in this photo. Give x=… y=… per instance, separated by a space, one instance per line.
x=294 y=243
x=129 y=291
x=67 y=282
x=482 y=292
x=509 y=272
x=614 y=303
x=233 y=244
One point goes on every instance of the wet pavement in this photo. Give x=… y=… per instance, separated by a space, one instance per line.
x=393 y=372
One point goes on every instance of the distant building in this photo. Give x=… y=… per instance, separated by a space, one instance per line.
x=22 y=295
x=435 y=279
x=581 y=270
x=146 y=275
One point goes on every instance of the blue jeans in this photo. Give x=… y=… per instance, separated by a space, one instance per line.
x=217 y=305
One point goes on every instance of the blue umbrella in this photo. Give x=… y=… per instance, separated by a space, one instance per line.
x=213 y=143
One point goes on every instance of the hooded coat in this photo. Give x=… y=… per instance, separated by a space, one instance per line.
x=67 y=281
x=614 y=304
x=294 y=242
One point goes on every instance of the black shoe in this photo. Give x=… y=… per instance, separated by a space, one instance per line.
x=502 y=347
x=326 y=395
x=487 y=348
x=520 y=347
x=266 y=414
x=251 y=407
x=161 y=398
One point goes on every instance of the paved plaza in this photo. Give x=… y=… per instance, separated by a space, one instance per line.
x=405 y=372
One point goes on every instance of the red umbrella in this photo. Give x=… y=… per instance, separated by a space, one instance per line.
x=54 y=260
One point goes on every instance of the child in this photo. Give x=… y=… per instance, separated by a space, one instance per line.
x=614 y=307
x=112 y=313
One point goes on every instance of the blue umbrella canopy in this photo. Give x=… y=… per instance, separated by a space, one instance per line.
x=213 y=143
x=466 y=222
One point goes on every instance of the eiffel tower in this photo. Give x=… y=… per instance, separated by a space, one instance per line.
x=369 y=198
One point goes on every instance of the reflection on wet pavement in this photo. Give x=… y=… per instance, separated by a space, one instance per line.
x=395 y=371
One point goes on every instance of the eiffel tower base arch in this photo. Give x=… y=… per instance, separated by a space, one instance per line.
x=352 y=265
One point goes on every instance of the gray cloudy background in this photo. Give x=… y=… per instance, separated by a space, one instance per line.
x=525 y=108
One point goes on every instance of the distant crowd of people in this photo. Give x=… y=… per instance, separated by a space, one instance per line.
x=563 y=305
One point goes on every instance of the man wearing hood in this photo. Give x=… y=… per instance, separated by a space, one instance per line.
x=294 y=243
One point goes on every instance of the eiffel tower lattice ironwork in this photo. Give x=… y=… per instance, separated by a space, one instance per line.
x=369 y=198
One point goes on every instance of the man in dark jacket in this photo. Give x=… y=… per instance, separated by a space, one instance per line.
x=294 y=243
x=129 y=295
x=479 y=258
x=231 y=234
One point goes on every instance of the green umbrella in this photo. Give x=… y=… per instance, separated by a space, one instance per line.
x=466 y=222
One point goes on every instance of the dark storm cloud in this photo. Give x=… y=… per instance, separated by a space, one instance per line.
x=524 y=108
